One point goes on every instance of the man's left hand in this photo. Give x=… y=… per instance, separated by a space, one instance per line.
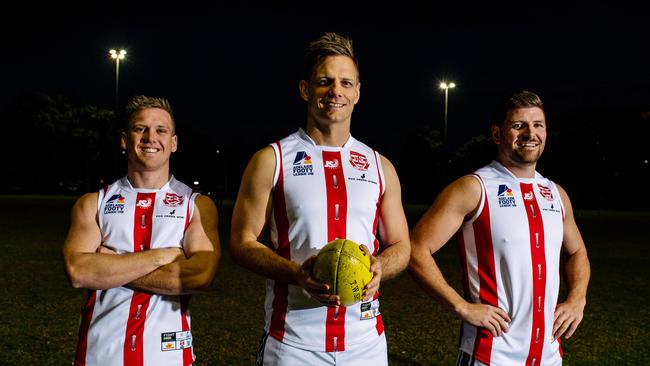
x=568 y=316
x=375 y=267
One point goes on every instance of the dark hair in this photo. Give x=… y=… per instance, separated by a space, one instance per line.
x=329 y=44
x=141 y=102
x=520 y=99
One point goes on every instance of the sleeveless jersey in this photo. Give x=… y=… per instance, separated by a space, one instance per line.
x=322 y=193
x=510 y=252
x=121 y=326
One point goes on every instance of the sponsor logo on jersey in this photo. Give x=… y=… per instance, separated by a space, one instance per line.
x=528 y=196
x=146 y=203
x=115 y=204
x=172 y=200
x=302 y=164
x=358 y=161
x=552 y=209
x=545 y=192
x=331 y=164
x=505 y=196
x=173 y=341
x=362 y=178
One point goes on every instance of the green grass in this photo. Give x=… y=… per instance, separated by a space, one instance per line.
x=40 y=312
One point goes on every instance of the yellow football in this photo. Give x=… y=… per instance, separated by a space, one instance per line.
x=346 y=267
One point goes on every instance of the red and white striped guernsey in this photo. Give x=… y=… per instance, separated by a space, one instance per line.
x=322 y=193
x=125 y=327
x=511 y=255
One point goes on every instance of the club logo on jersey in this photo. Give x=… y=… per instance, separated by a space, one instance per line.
x=302 y=164
x=115 y=204
x=145 y=203
x=172 y=200
x=505 y=196
x=331 y=164
x=545 y=192
x=358 y=161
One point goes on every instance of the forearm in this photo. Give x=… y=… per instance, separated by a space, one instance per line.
x=103 y=271
x=426 y=273
x=394 y=259
x=185 y=276
x=578 y=272
x=260 y=259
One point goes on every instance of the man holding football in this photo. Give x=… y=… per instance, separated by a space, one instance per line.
x=310 y=188
x=513 y=224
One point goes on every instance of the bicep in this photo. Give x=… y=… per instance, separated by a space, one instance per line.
x=447 y=213
x=202 y=234
x=572 y=239
x=254 y=199
x=84 y=235
x=393 y=226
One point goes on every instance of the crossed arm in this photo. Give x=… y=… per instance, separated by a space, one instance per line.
x=251 y=214
x=168 y=271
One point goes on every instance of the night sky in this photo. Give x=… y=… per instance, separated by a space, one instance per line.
x=232 y=71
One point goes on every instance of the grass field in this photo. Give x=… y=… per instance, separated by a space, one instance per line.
x=40 y=312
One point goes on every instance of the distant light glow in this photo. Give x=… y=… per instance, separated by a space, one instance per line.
x=196 y=182
x=646 y=161
x=446 y=86
x=118 y=56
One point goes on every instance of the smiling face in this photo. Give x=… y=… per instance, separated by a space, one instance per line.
x=150 y=140
x=332 y=92
x=521 y=137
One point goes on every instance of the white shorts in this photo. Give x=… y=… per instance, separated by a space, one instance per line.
x=273 y=353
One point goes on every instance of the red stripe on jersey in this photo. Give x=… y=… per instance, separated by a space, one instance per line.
x=538 y=259
x=463 y=260
x=187 y=214
x=86 y=316
x=280 y=290
x=487 y=278
x=380 y=322
x=142 y=229
x=188 y=359
x=337 y=209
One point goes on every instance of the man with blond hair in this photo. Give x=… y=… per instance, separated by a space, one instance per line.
x=141 y=245
x=310 y=188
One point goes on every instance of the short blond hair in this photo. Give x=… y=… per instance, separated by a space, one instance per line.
x=329 y=44
x=141 y=102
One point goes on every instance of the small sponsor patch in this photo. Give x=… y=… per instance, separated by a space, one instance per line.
x=302 y=164
x=174 y=341
x=370 y=310
x=144 y=203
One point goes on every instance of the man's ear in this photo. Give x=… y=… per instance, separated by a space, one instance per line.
x=496 y=134
x=174 y=143
x=304 y=90
x=123 y=139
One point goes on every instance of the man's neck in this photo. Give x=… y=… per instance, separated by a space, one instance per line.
x=520 y=170
x=148 y=180
x=334 y=134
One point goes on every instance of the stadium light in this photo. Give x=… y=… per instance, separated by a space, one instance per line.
x=446 y=86
x=117 y=56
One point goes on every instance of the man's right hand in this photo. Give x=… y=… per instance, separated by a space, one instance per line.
x=494 y=319
x=316 y=288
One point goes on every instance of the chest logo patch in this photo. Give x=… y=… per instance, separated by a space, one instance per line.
x=545 y=192
x=115 y=204
x=505 y=196
x=145 y=203
x=172 y=200
x=359 y=161
x=332 y=164
x=302 y=164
